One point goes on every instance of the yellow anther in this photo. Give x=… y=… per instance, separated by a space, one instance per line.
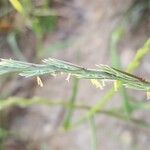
x=17 y=5
x=68 y=77
x=148 y=95
x=39 y=81
x=53 y=74
x=103 y=82
x=96 y=83
x=115 y=85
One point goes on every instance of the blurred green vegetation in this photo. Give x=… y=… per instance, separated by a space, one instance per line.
x=18 y=16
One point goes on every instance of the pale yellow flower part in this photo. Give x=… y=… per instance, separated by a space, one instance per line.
x=96 y=83
x=148 y=95
x=39 y=81
x=116 y=85
x=68 y=77
x=103 y=83
x=53 y=74
x=17 y=5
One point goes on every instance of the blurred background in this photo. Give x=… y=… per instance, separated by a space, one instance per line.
x=86 y=33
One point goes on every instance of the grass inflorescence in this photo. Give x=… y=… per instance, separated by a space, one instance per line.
x=54 y=67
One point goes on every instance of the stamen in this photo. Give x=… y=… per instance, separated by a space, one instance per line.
x=39 y=81
x=116 y=85
x=96 y=83
x=148 y=95
x=53 y=74
x=68 y=77
x=103 y=83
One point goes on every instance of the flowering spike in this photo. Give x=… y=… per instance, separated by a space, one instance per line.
x=52 y=66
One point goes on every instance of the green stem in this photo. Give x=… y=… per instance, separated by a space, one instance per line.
x=93 y=133
x=4 y=104
x=71 y=103
x=116 y=36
